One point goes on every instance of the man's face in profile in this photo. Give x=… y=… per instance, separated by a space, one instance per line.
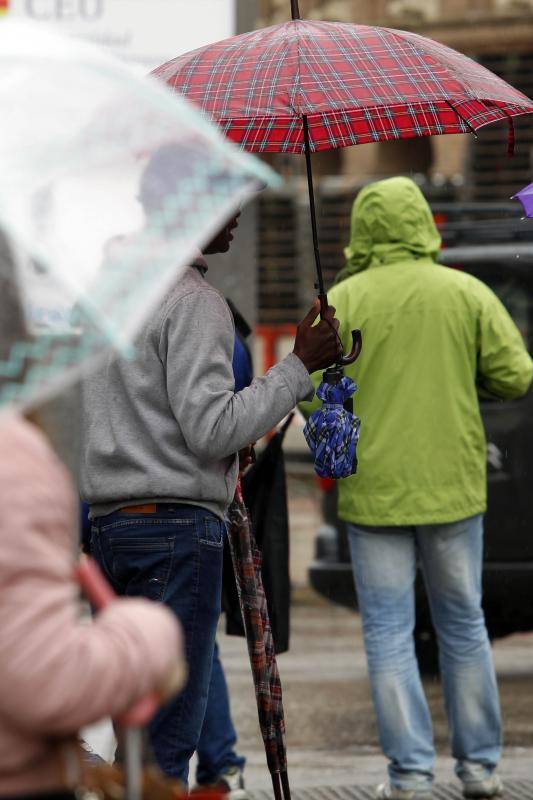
x=222 y=241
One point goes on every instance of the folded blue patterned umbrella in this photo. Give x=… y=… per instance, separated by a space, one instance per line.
x=332 y=432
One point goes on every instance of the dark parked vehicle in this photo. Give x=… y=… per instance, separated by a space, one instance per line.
x=508 y=562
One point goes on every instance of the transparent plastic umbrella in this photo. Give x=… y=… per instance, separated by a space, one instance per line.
x=109 y=184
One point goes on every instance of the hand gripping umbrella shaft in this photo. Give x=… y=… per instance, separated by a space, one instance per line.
x=357 y=344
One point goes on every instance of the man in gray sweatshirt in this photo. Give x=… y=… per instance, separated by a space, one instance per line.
x=160 y=462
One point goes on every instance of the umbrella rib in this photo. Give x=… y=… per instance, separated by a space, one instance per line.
x=298 y=105
x=463 y=119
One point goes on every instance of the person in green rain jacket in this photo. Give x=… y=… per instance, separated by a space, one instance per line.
x=433 y=339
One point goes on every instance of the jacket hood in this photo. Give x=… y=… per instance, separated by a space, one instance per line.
x=391 y=221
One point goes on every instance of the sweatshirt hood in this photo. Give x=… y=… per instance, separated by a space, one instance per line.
x=391 y=221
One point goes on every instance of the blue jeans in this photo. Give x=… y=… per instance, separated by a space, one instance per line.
x=384 y=564
x=216 y=748
x=173 y=556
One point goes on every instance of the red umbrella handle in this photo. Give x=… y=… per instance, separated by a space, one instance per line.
x=92 y=582
x=98 y=591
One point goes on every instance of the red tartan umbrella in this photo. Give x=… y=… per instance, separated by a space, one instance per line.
x=353 y=83
x=305 y=86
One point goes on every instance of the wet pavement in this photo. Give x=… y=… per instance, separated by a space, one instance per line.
x=331 y=733
x=518 y=790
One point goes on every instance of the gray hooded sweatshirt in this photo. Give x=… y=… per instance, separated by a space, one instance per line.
x=166 y=426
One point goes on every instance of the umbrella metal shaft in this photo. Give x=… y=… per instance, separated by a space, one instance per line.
x=295 y=11
x=133 y=745
x=320 y=280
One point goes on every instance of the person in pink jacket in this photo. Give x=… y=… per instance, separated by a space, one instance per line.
x=58 y=673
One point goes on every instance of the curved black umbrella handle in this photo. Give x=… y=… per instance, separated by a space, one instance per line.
x=357 y=346
x=357 y=336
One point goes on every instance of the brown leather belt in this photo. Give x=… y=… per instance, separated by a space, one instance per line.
x=147 y=508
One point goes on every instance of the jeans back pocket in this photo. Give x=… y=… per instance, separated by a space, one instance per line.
x=141 y=565
x=212 y=532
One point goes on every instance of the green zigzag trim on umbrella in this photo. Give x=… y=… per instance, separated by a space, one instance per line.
x=40 y=365
x=21 y=352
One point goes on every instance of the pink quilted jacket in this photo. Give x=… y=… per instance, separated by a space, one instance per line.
x=57 y=673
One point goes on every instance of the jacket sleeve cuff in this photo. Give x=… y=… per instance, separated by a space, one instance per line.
x=297 y=377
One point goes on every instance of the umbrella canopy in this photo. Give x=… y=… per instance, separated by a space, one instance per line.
x=525 y=196
x=246 y=559
x=353 y=83
x=305 y=86
x=109 y=185
x=332 y=432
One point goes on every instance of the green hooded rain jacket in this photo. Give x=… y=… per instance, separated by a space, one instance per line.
x=432 y=336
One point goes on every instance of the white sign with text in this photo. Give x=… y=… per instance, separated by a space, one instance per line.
x=146 y=32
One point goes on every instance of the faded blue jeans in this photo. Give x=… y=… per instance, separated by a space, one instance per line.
x=384 y=563
x=173 y=556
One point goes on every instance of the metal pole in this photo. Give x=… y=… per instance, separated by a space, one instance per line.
x=295 y=11
x=320 y=279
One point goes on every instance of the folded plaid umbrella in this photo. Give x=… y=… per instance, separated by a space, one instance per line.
x=246 y=558
x=265 y=495
x=332 y=432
